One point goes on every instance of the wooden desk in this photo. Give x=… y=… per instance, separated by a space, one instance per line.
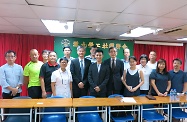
x=88 y=102
x=159 y=100
x=117 y=102
x=17 y=103
x=55 y=102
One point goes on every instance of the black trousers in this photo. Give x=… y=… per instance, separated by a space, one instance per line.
x=80 y=92
x=35 y=92
x=98 y=94
x=8 y=96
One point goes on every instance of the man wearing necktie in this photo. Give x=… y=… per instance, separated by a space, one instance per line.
x=116 y=68
x=98 y=76
x=79 y=70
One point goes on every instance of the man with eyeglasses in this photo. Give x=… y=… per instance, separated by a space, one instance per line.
x=11 y=77
x=67 y=52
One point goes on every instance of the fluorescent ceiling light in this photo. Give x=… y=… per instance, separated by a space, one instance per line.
x=55 y=26
x=158 y=43
x=182 y=39
x=140 y=31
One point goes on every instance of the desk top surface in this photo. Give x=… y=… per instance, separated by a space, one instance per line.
x=57 y=102
x=17 y=103
x=84 y=102
x=144 y=100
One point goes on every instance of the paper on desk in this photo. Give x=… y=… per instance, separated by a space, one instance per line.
x=128 y=100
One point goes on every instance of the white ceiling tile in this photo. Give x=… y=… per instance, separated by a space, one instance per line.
x=179 y=13
x=85 y=32
x=12 y=10
x=105 y=5
x=34 y=29
x=133 y=19
x=4 y=22
x=154 y=7
x=166 y=23
x=118 y=28
x=13 y=2
x=54 y=13
x=55 y=3
x=24 y=21
x=95 y=16
x=9 y=28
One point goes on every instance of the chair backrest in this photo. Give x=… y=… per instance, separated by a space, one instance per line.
x=20 y=110
x=94 y=108
x=54 y=109
x=22 y=97
x=115 y=95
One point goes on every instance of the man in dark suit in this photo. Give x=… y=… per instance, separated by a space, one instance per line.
x=98 y=76
x=79 y=69
x=116 y=66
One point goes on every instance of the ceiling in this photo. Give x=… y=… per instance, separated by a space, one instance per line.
x=115 y=17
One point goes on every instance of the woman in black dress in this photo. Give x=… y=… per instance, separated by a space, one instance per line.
x=132 y=79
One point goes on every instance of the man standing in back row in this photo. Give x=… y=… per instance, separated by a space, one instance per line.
x=152 y=63
x=79 y=69
x=115 y=85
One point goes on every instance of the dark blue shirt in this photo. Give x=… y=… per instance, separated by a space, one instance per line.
x=177 y=80
x=161 y=81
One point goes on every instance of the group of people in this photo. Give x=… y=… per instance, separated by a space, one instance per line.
x=90 y=75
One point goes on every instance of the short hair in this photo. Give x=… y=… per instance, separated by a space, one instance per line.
x=152 y=51
x=94 y=46
x=52 y=52
x=66 y=47
x=99 y=51
x=111 y=48
x=133 y=57
x=79 y=47
x=10 y=51
x=45 y=51
x=177 y=59
x=63 y=58
x=125 y=49
x=144 y=56
x=161 y=61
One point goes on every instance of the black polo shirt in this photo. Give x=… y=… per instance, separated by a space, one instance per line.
x=46 y=72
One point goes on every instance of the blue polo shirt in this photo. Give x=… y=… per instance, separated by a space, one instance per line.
x=161 y=81
x=177 y=80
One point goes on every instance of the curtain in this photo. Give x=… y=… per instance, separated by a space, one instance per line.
x=166 y=52
x=22 y=44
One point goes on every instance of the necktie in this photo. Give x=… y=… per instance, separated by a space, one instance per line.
x=113 y=65
x=82 y=68
x=98 y=67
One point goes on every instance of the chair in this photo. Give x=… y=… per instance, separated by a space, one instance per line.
x=18 y=118
x=151 y=115
x=54 y=117
x=178 y=113
x=127 y=117
x=88 y=117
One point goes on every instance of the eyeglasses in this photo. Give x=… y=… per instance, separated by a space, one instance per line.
x=63 y=62
x=10 y=56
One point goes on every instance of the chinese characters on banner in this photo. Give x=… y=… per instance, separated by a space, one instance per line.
x=99 y=45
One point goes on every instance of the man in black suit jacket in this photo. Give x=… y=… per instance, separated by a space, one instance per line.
x=79 y=69
x=98 y=76
x=116 y=66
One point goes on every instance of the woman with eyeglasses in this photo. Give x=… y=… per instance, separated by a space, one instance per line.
x=61 y=80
